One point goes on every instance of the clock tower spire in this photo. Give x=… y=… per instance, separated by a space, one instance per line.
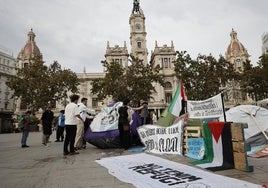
x=138 y=33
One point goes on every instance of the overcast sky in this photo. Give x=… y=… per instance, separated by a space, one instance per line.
x=75 y=32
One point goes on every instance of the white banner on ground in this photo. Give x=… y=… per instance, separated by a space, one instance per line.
x=209 y=108
x=158 y=139
x=148 y=171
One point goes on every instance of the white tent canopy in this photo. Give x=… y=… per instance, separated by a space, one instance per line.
x=256 y=117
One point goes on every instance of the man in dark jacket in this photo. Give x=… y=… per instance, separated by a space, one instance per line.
x=46 y=121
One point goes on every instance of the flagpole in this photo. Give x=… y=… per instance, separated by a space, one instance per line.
x=224 y=115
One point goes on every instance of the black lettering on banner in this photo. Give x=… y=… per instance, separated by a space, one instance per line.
x=111 y=119
x=150 y=132
x=168 y=180
x=168 y=145
x=161 y=131
x=145 y=169
x=149 y=144
x=161 y=145
x=173 y=130
x=164 y=175
x=142 y=134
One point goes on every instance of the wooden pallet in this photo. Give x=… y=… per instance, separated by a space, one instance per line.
x=192 y=130
x=239 y=147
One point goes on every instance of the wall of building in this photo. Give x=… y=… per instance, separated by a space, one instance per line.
x=7 y=69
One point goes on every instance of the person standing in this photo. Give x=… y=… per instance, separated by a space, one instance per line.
x=71 y=114
x=154 y=118
x=144 y=112
x=46 y=121
x=123 y=124
x=25 y=129
x=60 y=127
x=85 y=114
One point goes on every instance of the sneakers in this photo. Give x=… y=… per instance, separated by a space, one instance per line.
x=24 y=146
x=57 y=141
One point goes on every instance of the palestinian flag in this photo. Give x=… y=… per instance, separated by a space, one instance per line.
x=176 y=108
x=218 y=147
x=177 y=104
x=166 y=119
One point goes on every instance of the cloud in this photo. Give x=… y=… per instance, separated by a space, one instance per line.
x=75 y=33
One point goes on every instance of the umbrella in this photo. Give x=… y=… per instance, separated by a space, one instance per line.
x=256 y=117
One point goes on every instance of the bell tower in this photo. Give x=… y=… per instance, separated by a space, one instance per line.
x=138 y=33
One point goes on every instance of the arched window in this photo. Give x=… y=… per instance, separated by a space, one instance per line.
x=168 y=85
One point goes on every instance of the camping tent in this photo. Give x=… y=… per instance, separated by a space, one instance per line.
x=103 y=131
x=256 y=117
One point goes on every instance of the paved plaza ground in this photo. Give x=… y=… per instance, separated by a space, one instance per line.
x=46 y=167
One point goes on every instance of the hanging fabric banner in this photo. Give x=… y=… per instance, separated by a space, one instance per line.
x=209 y=108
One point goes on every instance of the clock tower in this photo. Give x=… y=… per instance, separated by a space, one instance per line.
x=138 y=33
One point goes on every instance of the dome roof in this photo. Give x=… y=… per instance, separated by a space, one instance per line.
x=30 y=49
x=235 y=47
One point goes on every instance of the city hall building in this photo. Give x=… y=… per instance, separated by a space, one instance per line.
x=162 y=55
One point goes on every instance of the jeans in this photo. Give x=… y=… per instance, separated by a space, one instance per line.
x=59 y=133
x=69 y=138
x=25 y=134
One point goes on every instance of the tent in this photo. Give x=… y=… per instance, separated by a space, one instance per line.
x=103 y=131
x=256 y=117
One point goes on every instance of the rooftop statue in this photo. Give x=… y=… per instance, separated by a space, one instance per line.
x=136 y=7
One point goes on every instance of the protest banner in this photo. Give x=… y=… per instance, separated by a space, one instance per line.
x=158 y=139
x=209 y=108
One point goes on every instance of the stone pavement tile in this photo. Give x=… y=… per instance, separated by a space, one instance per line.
x=46 y=167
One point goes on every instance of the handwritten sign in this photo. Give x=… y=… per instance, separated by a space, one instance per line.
x=210 y=108
x=196 y=148
x=159 y=139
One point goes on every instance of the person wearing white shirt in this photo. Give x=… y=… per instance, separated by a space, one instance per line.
x=71 y=114
x=85 y=113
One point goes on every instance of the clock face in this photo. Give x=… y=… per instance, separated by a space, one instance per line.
x=138 y=26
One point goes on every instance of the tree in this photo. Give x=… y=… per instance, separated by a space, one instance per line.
x=255 y=79
x=38 y=85
x=202 y=77
x=134 y=82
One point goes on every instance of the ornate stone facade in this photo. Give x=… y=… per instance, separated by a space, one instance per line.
x=24 y=59
x=236 y=54
x=264 y=43
x=162 y=56
x=7 y=69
